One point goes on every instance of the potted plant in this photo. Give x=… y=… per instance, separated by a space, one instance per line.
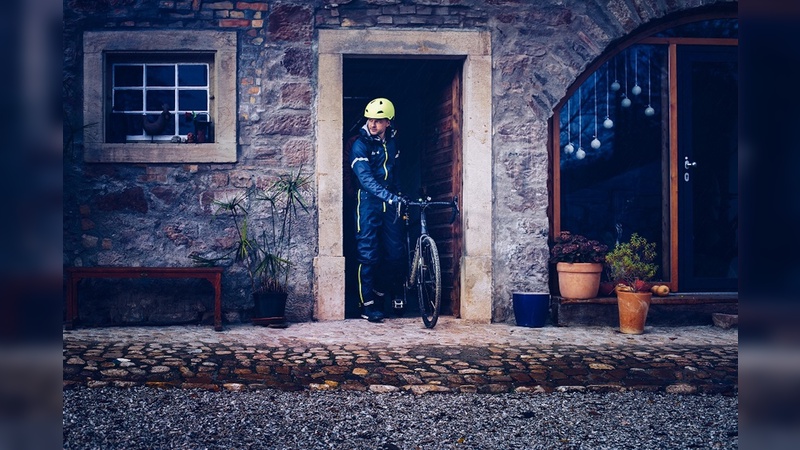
x=579 y=263
x=264 y=220
x=630 y=265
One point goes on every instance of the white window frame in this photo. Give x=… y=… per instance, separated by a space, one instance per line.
x=97 y=45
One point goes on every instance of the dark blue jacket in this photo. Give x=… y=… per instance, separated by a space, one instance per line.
x=373 y=161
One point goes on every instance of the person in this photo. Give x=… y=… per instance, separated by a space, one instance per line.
x=379 y=234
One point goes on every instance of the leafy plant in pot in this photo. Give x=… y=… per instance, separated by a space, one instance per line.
x=630 y=265
x=264 y=220
x=579 y=263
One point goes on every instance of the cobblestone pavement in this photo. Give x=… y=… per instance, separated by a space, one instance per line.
x=400 y=354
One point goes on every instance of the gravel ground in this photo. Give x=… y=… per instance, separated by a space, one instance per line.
x=147 y=418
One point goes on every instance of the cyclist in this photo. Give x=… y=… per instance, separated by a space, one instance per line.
x=379 y=236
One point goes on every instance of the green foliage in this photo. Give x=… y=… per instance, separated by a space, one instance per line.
x=263 y=244
x=631 y=263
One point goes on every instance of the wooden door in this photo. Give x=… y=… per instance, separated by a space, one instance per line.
x=440 y=164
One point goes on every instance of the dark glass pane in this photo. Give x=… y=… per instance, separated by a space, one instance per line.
x=613 y=135
x=128 y=76
x=717 y=28
x=193 y=100
x=715 y=176
x=127 y=100
x=160 y=75
x=157 y=98
x=193 y=75
x=134 y=124
x=185 y=124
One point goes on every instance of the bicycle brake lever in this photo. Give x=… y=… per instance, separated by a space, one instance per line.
x=455 y=209
x=398 y=212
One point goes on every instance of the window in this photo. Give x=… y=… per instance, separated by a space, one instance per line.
x=155 y=96
x=142 y=93
x=613 y=139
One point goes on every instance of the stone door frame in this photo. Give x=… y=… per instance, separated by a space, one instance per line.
x=474 y=47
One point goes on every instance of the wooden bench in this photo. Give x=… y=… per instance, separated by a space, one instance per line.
x=76 y=274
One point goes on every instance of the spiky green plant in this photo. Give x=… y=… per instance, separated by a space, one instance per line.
x=631 y=263
x=264 y=252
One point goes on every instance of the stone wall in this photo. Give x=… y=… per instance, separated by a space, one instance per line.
x=148 y=214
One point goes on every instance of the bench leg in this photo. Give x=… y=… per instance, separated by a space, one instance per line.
x=72 y=302
x=217 y=282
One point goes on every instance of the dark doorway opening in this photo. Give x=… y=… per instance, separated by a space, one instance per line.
x=427 y=99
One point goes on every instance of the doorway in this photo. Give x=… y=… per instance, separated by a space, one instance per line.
x=426 y=93
x=474 y=50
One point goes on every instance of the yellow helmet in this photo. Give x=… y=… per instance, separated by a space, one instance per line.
x=380 y=108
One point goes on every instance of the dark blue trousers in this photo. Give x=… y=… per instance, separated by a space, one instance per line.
x=380 y=244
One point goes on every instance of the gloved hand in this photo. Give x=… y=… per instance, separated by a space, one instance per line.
x=399 y=202
x=403 y=199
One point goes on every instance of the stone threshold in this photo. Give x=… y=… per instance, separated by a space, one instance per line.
x=675 y=309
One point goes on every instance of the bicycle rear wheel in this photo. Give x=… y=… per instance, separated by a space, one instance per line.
x=429 y=281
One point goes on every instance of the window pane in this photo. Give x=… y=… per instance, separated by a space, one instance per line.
x=157 y=98
x=128 y=100
x=134 y=124
x=160 y=75
x=193 y=75
x=125 y=76
x=185 y=124
x=613 y=135
x=193 y=100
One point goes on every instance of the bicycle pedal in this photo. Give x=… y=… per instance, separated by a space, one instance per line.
x=398 y=303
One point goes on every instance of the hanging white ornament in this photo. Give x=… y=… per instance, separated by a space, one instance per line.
x=626 y=102
x=595 y=143
x=608 y=123
x=580 y=154
x=615 y=85
x=649 y=111
x=569 y=148
x=636 y=89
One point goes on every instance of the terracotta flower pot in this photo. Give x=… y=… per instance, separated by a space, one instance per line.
x=579 y=280
x=633 y=307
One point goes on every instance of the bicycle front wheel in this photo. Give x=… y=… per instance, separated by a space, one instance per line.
x=429 y=281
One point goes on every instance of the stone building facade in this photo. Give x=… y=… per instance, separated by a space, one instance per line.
x=278 y=75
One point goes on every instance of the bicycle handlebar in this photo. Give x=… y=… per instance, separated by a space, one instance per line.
x=424 y=203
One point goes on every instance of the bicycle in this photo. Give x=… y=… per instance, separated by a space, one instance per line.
x=424 y=268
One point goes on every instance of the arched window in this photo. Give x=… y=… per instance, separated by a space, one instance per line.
x=646 y=142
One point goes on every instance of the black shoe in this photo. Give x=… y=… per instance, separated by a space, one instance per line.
x=372 y=314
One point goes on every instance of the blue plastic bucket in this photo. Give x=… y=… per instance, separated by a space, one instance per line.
x=531 y=309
